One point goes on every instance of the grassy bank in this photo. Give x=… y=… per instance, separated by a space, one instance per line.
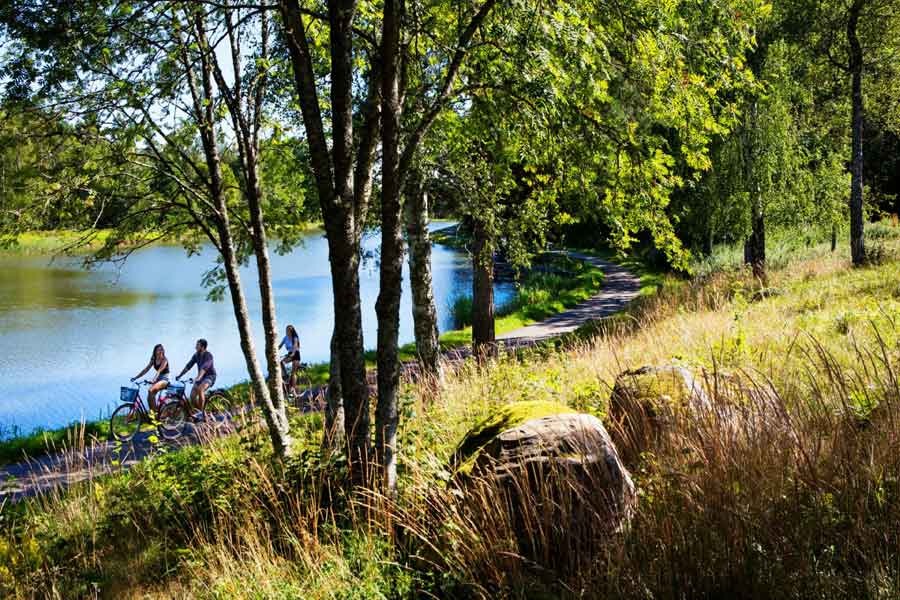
x=16 y=446
x=538 y=296
x=55 y=241
x=804 y=504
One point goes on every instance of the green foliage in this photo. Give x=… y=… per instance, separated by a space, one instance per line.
x=15 y=447
x=461 y=309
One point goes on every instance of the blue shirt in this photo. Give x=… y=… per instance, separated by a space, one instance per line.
x=289 y=343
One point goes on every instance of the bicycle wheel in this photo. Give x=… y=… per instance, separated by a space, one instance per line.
x=173 y=420
x=303 y=383
x=125 y=422
x=217 y=415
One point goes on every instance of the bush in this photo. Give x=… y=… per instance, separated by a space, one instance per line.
x=461 y=310
x=882 y=230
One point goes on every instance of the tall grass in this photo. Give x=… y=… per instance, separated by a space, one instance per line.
x=751 y=502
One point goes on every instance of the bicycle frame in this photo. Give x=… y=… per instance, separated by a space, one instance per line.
x=181 y=396
x=162 y=397
x=138 y=403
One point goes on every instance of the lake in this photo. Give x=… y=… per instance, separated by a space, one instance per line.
x=70 y=337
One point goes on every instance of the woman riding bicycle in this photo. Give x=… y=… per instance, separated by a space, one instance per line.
x=160 y=363
x=291 y=343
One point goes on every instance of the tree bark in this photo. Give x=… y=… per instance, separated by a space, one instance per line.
x=424 y=310
x=755 y=244
x=275 y=419
x=245 y=109
x=267 y=298
x=387 y=306
x=334 y=403
x=483 y=334
x=857 y=234
x=343 y=207
x=344 y=257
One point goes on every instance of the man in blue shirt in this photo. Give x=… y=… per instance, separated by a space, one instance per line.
x=206 y=374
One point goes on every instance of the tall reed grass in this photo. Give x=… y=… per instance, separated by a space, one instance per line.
x=798 y=502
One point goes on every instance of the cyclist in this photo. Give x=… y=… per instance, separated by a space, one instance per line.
x=160 y=363
x=291 y=343
x=206 y=374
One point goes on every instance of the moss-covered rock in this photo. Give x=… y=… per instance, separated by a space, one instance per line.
x=662 y=390
x=658 y=405
x=548 y=463
x=500 y=420
x=645 y=403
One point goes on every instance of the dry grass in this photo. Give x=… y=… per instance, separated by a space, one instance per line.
x=802 y=502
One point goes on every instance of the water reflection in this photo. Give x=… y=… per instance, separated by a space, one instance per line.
x=69 y=337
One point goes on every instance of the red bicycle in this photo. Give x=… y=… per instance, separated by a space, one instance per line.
x=130 y=416
x=176 y=412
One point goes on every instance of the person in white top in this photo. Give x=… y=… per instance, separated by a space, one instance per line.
x=291 y=343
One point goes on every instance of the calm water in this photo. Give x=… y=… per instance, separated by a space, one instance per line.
x=69 y=337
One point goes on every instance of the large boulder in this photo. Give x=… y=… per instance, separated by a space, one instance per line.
x=549 y=463
x=671 y=405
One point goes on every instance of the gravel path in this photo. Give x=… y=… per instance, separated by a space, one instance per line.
x=54 y=471
x=620 y=287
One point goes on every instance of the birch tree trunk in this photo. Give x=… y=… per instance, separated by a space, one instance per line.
x=387 y=306
x=424 y=310
x=277 y=423
x=857 y=233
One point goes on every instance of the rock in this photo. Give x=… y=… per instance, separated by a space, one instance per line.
x=500 y=420
x=550 y=463
x=646 y=403
x=671 y=405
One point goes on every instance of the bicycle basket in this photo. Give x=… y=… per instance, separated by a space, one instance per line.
x=127 y=394
x=174 y=389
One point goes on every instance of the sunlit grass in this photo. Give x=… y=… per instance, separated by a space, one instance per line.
x=802 y=507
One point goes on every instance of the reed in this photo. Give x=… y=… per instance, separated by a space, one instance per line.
x=793 y=492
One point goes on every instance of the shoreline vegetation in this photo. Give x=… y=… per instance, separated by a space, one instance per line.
x=219 y=508
x=535 y=301
x=539 y=294
x=77 y=243
x=49 y=242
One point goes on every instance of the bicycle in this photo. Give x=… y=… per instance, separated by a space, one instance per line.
x=128 y=418
x=302 y=380
x=176 y=411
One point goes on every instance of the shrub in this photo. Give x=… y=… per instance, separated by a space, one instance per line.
x=461 y=310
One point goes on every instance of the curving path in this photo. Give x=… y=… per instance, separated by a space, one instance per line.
x=620 y=287
x=54 y=471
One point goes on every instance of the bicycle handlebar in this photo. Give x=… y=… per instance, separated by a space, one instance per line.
x=148 y=382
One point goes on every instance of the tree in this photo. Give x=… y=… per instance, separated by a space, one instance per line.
x=344 y=172
x=150 y=73
x=858 y=40
x=424 y=311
